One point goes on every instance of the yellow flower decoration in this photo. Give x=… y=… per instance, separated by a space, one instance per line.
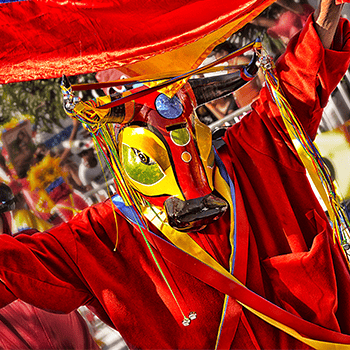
x=45 y=203
x=41 y=175
x=10 y=125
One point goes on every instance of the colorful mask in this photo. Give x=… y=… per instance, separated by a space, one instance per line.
x=167 y=156
x=163 y=153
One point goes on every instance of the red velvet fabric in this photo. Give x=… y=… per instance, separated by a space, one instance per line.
x=45 y=39
x=25 y=327
x=285 y=250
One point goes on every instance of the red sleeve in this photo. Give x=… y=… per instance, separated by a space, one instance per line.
x=6 y=296
x=42 y=271
x=308 y=73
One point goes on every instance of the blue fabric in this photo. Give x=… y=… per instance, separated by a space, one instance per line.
x=54 y=184
x=227 y=178
x=7 y=1
x=128 y=211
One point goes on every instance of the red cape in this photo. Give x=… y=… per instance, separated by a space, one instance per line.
x=45 y=39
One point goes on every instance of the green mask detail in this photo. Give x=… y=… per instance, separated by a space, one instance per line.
x=140 y=167
x=180 y=137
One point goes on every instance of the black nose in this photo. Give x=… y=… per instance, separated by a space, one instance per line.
x=194 y=214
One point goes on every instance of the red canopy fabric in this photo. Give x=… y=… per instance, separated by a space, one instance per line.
x=44 y=39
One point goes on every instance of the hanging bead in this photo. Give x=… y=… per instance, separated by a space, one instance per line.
x=186 y=321
x=192 y=316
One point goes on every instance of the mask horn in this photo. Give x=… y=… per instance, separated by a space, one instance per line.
x=209 y=89
x=89 y=110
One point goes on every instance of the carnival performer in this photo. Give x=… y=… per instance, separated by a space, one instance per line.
x=203 y=248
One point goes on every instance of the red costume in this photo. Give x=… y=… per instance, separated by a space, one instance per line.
x=284 y=250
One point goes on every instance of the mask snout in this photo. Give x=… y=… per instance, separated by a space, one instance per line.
x=194 y=214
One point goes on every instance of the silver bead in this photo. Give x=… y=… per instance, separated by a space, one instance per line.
x=192 y=315
x=186 y=321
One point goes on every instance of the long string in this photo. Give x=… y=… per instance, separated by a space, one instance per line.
x=151 y=78
x=339 y=219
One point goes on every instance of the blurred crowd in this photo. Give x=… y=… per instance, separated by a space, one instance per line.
x=44 y=188
x=53 y=184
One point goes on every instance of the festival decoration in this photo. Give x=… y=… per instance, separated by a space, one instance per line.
x=108 y=126
x=142 y=164
x=19 y=146
x=135 y=133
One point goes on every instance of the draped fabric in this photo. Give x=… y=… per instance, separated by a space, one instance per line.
x=44 y=39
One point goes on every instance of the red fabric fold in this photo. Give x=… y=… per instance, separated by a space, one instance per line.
x=44 y=39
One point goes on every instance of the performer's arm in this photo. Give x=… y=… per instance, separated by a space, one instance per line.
x=38 y=270
x=6 y=297
x=308 y=72
x=326 y=19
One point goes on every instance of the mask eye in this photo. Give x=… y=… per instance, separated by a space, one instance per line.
x=144 y=159
x=140 y=167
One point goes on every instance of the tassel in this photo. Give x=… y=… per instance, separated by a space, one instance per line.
x=339 y=219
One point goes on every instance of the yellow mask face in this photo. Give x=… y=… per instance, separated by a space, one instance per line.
x=168 y=164
x=146 y=162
